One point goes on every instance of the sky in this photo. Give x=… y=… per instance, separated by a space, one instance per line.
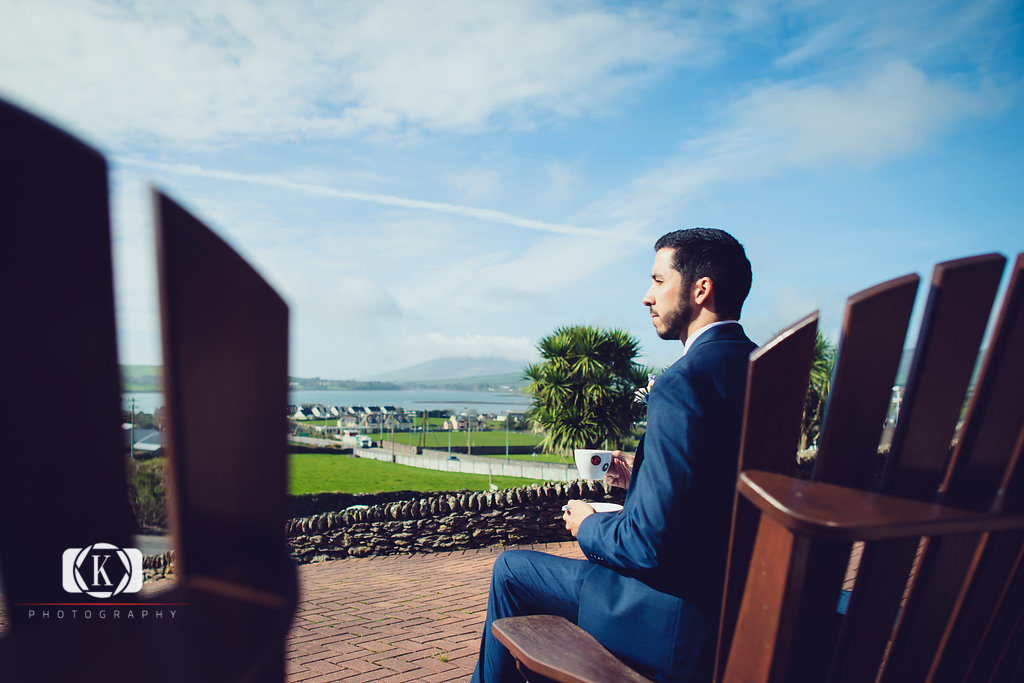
x=430 y=179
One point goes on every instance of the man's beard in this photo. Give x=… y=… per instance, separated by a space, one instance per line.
x=676 y=321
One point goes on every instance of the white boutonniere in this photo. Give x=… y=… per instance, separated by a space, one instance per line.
x=640 y=395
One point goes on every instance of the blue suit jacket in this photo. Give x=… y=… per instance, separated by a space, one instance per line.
x=666 y=550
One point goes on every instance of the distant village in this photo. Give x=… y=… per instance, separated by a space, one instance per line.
x=367 y=419
x=144 y=432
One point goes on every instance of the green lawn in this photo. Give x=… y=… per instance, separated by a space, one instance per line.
x=332 y=422
x=440 y=439
x=318 y=472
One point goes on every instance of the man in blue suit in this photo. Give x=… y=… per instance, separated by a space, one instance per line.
x=651 y=585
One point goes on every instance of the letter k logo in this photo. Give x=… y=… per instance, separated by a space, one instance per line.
x=97 y=569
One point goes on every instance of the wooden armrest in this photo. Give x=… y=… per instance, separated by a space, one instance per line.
x=844 y=514
x=560 y=650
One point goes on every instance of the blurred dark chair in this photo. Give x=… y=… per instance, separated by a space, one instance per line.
x=939 y=589
x=62 y=469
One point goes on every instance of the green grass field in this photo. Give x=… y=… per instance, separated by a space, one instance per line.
x=319 y=423
x=440 y=439
x=318 y=472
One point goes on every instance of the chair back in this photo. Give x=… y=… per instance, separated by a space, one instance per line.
x=957 y=605
x=63 y=480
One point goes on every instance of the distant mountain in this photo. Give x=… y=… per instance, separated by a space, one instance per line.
x=142 y=377
x=451 y=369
x=510 y=380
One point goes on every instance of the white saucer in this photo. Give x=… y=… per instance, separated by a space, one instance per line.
x=605 y=507
x=600 y=507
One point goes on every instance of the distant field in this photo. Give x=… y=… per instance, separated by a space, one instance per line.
x=537 y=457
x=318 y=472
x=331 y=422
x=440 y=439
x=433 y=423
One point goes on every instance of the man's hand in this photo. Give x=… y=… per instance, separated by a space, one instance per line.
x=574 y=516
x=620 y=469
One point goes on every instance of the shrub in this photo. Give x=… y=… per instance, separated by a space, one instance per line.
x=147 y=492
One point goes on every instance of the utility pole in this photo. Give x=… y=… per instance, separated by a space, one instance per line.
x=131 y=444
x=423 y=430
x=506 y=435
x=469 y=434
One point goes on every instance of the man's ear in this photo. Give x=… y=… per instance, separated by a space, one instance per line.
x=702 y=292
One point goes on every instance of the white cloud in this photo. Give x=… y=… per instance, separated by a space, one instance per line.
x=370 y=288
x=211 y=71
x=280 y=182
x=438 y=345
x=482 y=57
x=894 y=110
x=880 y=30
x=475 y=184
x=563 y=182
x=888 y=112
x=134 y=264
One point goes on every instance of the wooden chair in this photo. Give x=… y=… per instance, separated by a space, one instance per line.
x=954 y=615
x=225 y=350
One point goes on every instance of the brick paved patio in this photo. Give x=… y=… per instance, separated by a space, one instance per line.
x=394 y=618
x=400 y=617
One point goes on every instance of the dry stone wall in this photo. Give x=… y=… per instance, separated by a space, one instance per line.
x=442 y=521
x=428 y=522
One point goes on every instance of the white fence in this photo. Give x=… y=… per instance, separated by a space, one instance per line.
x=471 y=464
x=468 y=464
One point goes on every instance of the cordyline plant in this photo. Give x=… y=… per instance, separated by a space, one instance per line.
x=819 y=385
x=582 y=389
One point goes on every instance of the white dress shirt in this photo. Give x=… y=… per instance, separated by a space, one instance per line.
x=693 y=337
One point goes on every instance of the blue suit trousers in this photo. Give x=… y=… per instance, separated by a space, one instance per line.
x=526 y=582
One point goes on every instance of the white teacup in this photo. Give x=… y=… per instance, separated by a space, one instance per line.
x=592 y=463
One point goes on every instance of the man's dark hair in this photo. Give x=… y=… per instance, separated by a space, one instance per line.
x=715 y=254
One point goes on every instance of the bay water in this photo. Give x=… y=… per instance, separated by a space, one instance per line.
x=410 y=399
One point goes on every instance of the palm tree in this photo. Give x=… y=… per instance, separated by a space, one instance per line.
x=582 y=389
x=818 y=389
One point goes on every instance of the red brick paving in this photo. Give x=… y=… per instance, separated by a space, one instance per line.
x=401 y=617
x=394 y=618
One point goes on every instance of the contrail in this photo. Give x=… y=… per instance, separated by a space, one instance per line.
x=371 y=197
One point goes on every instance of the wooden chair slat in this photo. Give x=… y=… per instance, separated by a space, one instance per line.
x=841 y=513
x=982 y=463
x=874 y=329
x=998 y=584
x=225 y=337
x=980 y=467
x=66 y=487
x=560 y=650
x=955 y=317
x=1009 y=666
x=882 y=576
x=763 y=639
x=870 y=348
x=806 y=511
x=776 y=387
x=999 y=630
x=225 y=350
x=996 y=562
